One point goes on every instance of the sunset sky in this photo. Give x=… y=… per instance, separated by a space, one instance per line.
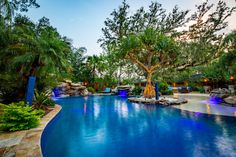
x=82 y=20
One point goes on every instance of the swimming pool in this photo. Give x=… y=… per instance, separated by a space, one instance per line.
x=98 y=126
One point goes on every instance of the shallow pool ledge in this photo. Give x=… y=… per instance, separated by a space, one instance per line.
x=26 y=143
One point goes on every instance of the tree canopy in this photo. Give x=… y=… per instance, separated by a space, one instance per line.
x=151 y=50
x=198 y=34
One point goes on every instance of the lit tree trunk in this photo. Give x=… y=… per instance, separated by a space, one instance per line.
x=149 y=91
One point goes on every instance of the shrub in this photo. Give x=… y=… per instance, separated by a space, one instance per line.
x=168 y=92
x=201 y=90
x=137 y=90
x=91 y=89
x=164 y=88
x=195 y=86
x=42 y=100
x=98 y=90
x=18 y=116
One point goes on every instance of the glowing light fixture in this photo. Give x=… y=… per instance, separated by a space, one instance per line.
x=232 y=78
x=174 y=84
x=205 y=80
x=123 y=93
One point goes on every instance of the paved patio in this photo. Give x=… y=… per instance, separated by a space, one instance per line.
x=201 y=103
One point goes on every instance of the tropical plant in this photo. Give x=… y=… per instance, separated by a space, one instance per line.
x=42 y=100
x=79 y=72
x=91 y=89
x=164 y=88
x=19 y=116
x=32 y=49
x=137 y=90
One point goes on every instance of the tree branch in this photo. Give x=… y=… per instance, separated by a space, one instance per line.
x=135 y=60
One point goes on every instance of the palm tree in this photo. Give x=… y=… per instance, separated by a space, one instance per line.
x=92 y=63
x=38 y=50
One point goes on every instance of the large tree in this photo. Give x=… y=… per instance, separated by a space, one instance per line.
x=199 y=34
x=150 y=50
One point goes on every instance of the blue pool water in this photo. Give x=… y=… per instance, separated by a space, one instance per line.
x=110 y=126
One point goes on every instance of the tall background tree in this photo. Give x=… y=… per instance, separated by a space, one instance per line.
x=199 y=34
x=28 y=48
x=9 y=7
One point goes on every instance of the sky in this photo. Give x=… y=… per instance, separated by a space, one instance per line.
x=82 y=20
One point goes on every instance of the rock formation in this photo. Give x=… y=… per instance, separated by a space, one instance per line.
x=166 y=101
x=230 y=100
x=67 y=88
x=220 y=93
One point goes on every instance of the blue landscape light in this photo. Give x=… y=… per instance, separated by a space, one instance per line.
x=123 y=93
x=56 y=92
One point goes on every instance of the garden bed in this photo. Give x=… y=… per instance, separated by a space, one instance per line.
x=27 y=142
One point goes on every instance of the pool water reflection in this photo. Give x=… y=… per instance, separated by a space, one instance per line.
x=99 y=126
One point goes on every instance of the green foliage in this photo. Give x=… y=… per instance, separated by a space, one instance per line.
x=195 y=86
x=137 y=90
x=121 y=23
x=42 y=100
x=80 y=72
x=200 y=43
x=150 y=47
x=32 y=49
x=18 y=116
x=201 y=90
x=91 y=89
x=163 y=88
x=99 y=91
x=9 y=7
x=225 y=66
x=106 y=80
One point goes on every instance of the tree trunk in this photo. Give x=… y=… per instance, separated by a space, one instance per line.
x=149 y=91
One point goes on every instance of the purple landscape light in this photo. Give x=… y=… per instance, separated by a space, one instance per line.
x=215 y=100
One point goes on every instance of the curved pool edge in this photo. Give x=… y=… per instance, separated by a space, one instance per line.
x=45 y=121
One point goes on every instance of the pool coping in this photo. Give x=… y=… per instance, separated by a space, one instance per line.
x=189 y=95
x=26 y=143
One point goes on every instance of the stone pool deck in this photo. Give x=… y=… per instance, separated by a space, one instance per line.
x=25 y=143
x=200 y=103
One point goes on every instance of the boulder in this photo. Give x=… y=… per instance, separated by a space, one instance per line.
x=75 y=84
x=85 y=92
x=68 y=81
x=72 y=89
x=166 y=101
x=78 y=87
x=230 y=100
x=125 y=87
x=220 y=93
